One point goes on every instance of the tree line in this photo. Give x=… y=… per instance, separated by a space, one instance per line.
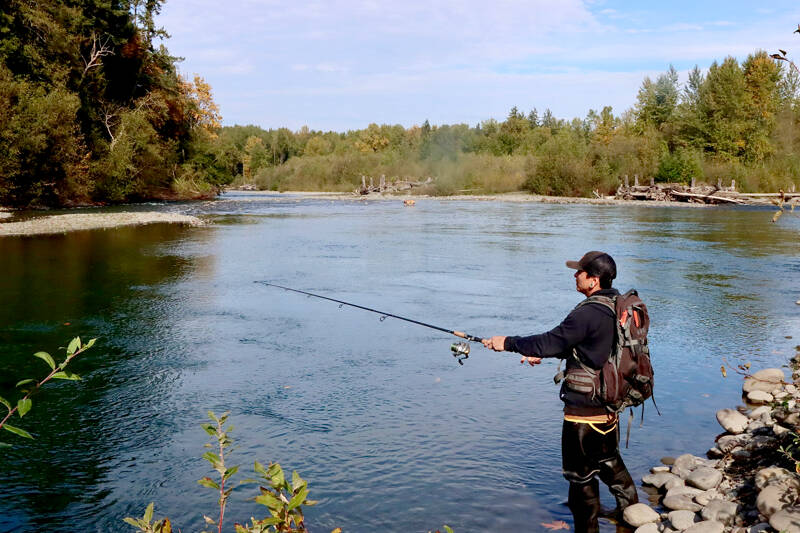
x=93 y=110
x=735 y=121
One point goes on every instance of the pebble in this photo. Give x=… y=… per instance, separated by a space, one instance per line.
x=759 y=397
x=681 y=502
x=704 y=478
x=675 y=482
x=732 y=421
x=726 y=443
x=659 y=469
x=786 y=520
x=650 y=527
x=758 y=528
x=779 y=430
x=658 y=480
x=756 y=413
x=719 y=510
x=765 y=380
x=686 y=461
x=681 y=520
x=706 y=526
x=707 y=496
x=639 y=514
x=669 y=461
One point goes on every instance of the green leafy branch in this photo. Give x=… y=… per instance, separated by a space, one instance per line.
x=30 y=386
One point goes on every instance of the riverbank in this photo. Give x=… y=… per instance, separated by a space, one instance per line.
x=62 y=223
x=749 y=481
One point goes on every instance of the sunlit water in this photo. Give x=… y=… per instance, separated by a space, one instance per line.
x=391 y=433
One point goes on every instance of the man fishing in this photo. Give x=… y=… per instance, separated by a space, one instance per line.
x=590 y=434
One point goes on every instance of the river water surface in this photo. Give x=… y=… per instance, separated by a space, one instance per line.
x=390 y=432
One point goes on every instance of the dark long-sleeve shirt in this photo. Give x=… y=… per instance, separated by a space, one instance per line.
x=590 y=330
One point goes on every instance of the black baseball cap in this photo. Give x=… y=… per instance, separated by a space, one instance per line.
x=596 y=263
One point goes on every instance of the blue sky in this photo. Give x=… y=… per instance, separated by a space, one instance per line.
x=342 y=64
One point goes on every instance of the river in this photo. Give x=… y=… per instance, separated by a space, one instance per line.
x=391 y=433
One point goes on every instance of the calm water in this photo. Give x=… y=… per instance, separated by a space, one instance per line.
x=391 y=433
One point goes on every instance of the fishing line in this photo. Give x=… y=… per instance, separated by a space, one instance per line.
x=460 y=349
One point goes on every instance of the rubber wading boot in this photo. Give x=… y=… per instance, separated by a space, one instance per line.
x=584 y=502
x=614 y=474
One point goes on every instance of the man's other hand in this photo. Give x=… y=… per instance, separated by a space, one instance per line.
x=530 y=360
x=496 y=343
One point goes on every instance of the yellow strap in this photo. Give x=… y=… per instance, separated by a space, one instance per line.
x=580 y=420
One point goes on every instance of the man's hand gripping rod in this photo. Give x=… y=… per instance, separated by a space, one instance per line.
x=460 y=349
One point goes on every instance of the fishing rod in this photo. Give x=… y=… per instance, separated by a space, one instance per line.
x=460 y=349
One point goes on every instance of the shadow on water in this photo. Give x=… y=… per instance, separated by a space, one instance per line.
x=107 y=284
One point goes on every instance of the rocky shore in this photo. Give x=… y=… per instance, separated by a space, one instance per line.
x=748 y=482
x=86 y=221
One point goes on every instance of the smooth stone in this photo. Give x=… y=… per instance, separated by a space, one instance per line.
x=759 y=397
x=764 y=380
x=719 y=510
x=672 y=483
x=787 y=519
x=706 y=526
x=704 y=478
x=686 y=461
x=791 y=389
x=658 y=480
x=639 y=514
x=760 y=442
x=768 y=476
x=791 y=404
x=779 y=430
x=755 y=425
x=682 y=473
x=684 y=491
x=650 y=527
x=758 y=528
x=714 y=452
x=681 y=502
x=681 y=520
x=780 y=395
x=758 y=411
x=726 y=443
x=669 y=461
x=659 y=469
x=707 y=496
x=732 y=420
x=773 y=498
x=739 y=453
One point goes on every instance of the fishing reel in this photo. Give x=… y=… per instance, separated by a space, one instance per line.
x=460 y=351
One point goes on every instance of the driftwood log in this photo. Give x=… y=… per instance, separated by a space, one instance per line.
x=390 y=186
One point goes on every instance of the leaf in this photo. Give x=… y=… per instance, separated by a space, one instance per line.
x=276 y=475
x=148 y=513
x=23 y=406
x=18 y=431
x=229 y=472
x=298 y=499
x=271 y=521
x=724 y=372
x=259 y=468
x=209 y=428
x=558 y=524
x=212 y=416
x=776 y=216
x=89 y=344
x=164 y=527
x=66 y=374
x=269 y=500
x=5 y=402
x=297 y=481
x=208 y=520
x=47 y=358
x=448 y=529
x=337 y=530
x=211 y=457
x=5 y=445
x=132 y=521
x=25 y=382
x=74 y=344
x=208 y=482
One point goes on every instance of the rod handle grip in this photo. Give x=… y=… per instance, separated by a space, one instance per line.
x=460 y=334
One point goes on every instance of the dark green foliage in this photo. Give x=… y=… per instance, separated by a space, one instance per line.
x=92 y=109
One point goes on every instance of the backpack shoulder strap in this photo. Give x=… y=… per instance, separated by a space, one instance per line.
x=608 y=301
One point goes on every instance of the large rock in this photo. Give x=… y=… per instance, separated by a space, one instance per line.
x=766 y=380
x=719 y=510
x=681 y=502
x=773 y=474
x=684 y=491
x=681 y=520
x=704 y=478
x=759 y=397
x=727 y=443
x=675 y=482
x=787 y=519
x=707 y=496
x=706 y=526
x=687 y=461
x=732 y=421
x=639 y=514
x=775 y=497
x=756 y=413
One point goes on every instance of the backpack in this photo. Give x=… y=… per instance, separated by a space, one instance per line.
x=626 y=378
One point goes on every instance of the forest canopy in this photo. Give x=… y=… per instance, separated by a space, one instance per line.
x=94 y=110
